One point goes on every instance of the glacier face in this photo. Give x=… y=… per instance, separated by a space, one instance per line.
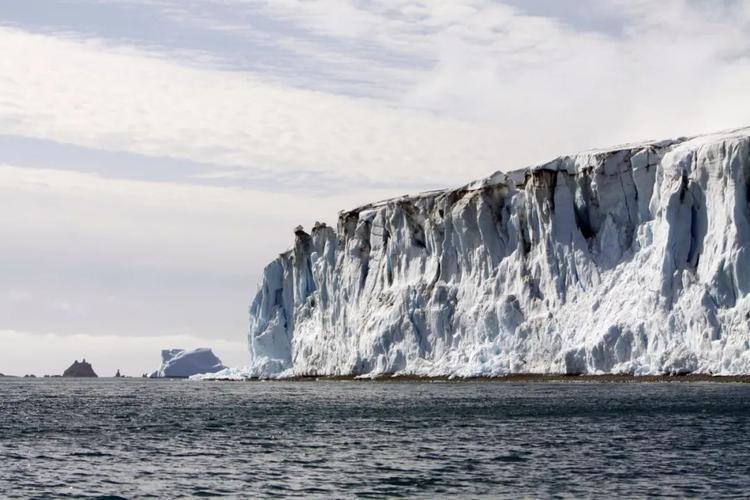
x=633 y=259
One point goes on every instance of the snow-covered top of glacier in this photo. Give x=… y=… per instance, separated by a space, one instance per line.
x=583 y=158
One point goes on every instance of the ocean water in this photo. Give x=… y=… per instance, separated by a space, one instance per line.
x=330 y=439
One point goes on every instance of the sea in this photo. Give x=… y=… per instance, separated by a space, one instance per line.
x=135 y=438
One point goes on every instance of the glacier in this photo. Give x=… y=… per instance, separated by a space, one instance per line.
x=633 y=260
x=181 y=363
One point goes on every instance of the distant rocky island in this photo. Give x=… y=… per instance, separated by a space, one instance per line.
x=82 y=369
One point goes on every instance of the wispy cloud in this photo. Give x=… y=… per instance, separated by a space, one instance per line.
x=106 y=98
x=478 y=84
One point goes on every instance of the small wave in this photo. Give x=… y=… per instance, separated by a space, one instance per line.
x=90 y=454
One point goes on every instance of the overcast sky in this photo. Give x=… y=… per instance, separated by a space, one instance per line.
x=156 y=154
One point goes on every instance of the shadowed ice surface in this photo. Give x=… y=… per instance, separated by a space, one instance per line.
x=343 y=439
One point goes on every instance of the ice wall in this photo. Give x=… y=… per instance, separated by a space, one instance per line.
x=633 y=259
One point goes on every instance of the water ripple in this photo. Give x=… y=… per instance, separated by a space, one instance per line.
x=149 y=438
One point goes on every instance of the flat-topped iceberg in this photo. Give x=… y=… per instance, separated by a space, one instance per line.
x=181 y=363
x=633 y=259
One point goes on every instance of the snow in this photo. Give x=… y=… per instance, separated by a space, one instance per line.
x=633 y=259
x=181 y=363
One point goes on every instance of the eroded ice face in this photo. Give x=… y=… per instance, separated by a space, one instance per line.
x=634 y=259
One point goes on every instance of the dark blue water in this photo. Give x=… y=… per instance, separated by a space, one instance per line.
x=170 y=439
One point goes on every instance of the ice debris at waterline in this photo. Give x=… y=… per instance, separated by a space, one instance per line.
x=181 y=363
x=634 y=259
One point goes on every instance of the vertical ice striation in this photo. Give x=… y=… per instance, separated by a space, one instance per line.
x=634 y=259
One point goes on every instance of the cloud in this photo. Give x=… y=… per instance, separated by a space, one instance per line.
x=89 y=94
x=472 y=86
x=18 y=295
x=675 y=67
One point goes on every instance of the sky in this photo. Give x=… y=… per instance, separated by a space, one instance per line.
x=155 y=155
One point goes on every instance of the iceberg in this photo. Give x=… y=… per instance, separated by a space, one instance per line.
x=181 y=363
x=633 y=259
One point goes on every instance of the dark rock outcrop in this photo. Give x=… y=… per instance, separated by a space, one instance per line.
x=82 y=369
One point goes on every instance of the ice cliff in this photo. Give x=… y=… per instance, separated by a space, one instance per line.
x=634 y=259
x=179 y=363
